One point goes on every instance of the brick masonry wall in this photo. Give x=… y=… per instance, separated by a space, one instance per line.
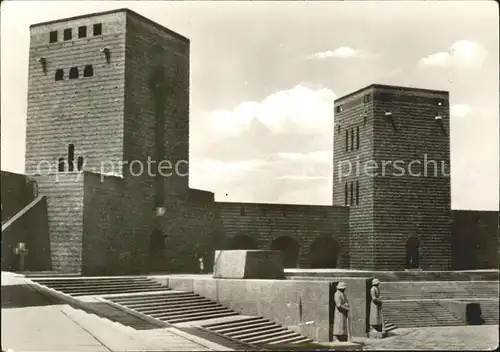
x=87 y=111
x=119 y=221
x=149 y=46
x=304 y=223
x=30 y=228
x=64 y=194
x=17 y=192
x=408 y=205
x=475 y=239
x=348 y=168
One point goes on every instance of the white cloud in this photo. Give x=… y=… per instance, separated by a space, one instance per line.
x=297 y=110
x=302 y=177
x=341 y=52
x=462 y=54
x=438 y=59
x=459 y=110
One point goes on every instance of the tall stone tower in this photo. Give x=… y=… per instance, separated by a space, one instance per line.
x=108 y=93
x=391 y=167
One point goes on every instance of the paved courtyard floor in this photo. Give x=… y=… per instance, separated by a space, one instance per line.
x=460 y=338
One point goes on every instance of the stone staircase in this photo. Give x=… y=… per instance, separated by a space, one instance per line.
x=417 y=303
x=489 y=310
x=173 y=306
x=439 y=289
x=181 y=307
x=415 y=313
x=100 y=285
x=257 y=331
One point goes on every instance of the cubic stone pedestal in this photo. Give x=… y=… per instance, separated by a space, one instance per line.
x=248 y=264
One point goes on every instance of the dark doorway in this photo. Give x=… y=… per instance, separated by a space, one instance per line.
x=412 y=253
x=157 y=251
x=290 y=249
x=324 y=253
x=242 y=242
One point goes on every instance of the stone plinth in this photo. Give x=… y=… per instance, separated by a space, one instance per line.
x=248 y=264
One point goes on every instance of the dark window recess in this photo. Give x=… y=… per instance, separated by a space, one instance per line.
x=88 y=71
x=284 y=213
x=357 y=192
x=367 y=98
x=73 y=73
x=82 y=32
x=346 y=140
x=67 y=34
x=352 y=194
x=61 y=167
x=71 y=157
x=53 y=37
x=346 y=199
x=59 y=76
x=264 y=211
x=357 y=137
x=338 y=129
x=97 y=29
x=242 y=211
x=352 y=139
x=79 y=163
x=339 y=108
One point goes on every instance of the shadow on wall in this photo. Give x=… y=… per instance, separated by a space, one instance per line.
x=29 y=226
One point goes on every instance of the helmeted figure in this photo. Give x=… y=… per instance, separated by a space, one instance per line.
x=340 y=318
x=376 y=319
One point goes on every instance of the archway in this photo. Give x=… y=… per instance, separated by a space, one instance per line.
x=324 y=253
x=290 y=249
x=242 y=242
x=157 y=251
x=412 y=253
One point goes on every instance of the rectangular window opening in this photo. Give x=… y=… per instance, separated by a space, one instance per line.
x=82 y=32
x=346 y=140
x=67 y=34
x=357 y=137
x=73 y=72
x=352 y=194
x=97 y=29
x=71 y=157
x=242 y=211
x=352 y=139
x=346 y=199
x=88 y=71
x=357 y=192
x=59 y=76
x=53 y=37
x=61 y=165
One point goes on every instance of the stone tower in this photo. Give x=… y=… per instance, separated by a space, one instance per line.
x=391 y=167
x=108 y=94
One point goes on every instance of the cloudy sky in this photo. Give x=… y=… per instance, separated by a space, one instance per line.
x=264 y=77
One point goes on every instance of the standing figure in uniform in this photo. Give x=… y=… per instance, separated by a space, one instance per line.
x=376 y=320
x=340 y=321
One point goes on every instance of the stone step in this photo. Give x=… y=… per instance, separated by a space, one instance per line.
x=201 y=305
x=191 y=313
x=188 y=309
x=242 y=328
x=169 y=303
x=214 y=326
x=271 y=337
x=160 y=295
x=292 y=340
x=256 y=332
x=203 y=317
x=154 y=299
x=109 y=291
x=129 y=288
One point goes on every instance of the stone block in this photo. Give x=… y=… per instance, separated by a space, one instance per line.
x=248 y=264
